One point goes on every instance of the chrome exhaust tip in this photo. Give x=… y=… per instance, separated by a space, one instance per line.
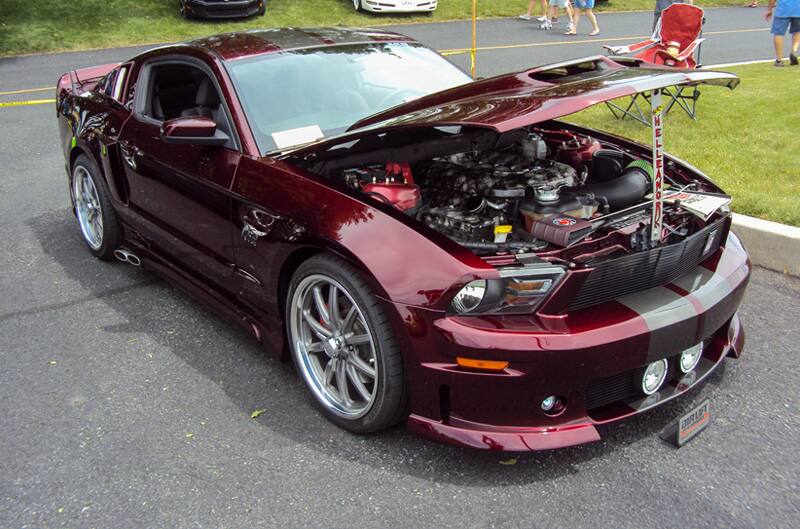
x=126 y=256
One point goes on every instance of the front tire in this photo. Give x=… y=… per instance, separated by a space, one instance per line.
x=343 y=346
x=92 y=206
x=357 y=5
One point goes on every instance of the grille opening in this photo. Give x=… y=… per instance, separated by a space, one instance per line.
x=631 y=273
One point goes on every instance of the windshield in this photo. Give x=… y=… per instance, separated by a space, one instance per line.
x=299 y=96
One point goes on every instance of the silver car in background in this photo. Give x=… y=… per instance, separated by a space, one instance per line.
x=395 y=6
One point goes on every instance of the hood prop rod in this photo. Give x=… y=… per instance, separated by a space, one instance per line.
x=657 y=212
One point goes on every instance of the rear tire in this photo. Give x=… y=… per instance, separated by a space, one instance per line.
x=92 y=206
x=262 y=10
x=344 y=347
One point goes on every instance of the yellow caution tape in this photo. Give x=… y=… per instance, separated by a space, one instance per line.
x=24 y=103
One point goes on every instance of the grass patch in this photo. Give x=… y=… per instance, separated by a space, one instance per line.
x=28 y=26
x=747 y=140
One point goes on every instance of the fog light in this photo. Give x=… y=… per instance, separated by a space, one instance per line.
x=549 y=403
x=690 y=358
x=654 y=376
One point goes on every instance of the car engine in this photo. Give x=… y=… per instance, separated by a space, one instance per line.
x=539 y=192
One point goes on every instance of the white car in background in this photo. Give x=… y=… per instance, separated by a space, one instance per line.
x=394 y=6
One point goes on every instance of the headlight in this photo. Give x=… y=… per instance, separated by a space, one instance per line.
x=470 y=297
x=518 y=291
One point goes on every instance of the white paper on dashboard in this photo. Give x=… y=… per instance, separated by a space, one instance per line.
x=292 y=137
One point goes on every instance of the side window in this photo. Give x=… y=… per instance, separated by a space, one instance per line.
x=177 y=90
x=108 y=82
x=119 y=83
x=181 y=90
x=113 y=83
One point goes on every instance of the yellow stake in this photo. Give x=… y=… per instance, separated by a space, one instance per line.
x=474 y=35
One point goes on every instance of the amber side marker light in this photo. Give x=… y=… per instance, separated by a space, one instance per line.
x=488 y=365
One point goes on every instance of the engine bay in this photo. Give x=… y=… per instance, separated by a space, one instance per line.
x=562 y=195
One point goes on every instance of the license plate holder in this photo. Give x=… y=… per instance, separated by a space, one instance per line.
x=688 y=425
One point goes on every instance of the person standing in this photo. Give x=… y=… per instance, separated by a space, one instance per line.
x=787 y=16
x=555 y=5
x=529 y=14
x=586 y=6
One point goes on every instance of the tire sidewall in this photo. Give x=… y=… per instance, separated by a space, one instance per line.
x=111 y=231
x=389 y=400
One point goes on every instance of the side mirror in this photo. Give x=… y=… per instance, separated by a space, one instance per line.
x=194 y=130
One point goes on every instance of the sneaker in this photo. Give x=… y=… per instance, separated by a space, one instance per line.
x=546 y=25
x=525 y=17
x=793 y=59
x=779 y=64
x=570 y=28
x=542 y=18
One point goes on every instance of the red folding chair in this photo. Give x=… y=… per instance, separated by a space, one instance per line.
x=676 y=43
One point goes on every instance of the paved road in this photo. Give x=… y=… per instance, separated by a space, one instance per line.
x=126 y=405
x=734 y=34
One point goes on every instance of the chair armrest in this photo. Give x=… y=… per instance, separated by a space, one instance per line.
x=616 y=50
x=624 y=50
x=642 y=45
x=682 y=56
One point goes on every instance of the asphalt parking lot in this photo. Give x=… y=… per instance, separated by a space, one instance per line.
x=126 y=404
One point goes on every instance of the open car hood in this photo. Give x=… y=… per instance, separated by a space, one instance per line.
x=511 y=101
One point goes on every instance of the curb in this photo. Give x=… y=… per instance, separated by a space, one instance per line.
x=770 y=244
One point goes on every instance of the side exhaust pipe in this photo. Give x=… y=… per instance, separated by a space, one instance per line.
x=126 y=256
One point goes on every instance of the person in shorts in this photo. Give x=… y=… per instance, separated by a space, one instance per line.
x=586 y=6
x=528 y=15
x=555 y=5
x=787 y=17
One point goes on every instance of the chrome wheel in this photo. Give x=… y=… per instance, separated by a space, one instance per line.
x=88 y=208
x=333 y=346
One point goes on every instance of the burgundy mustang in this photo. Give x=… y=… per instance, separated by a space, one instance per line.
x=424 y=247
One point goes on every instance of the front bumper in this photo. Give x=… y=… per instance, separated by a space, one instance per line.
x=583 y=365
x=229 y=9
x=398 y=6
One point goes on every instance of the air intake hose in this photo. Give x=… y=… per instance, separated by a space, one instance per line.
x=624 y=191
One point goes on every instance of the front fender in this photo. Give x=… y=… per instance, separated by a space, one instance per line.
x=410 y=267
